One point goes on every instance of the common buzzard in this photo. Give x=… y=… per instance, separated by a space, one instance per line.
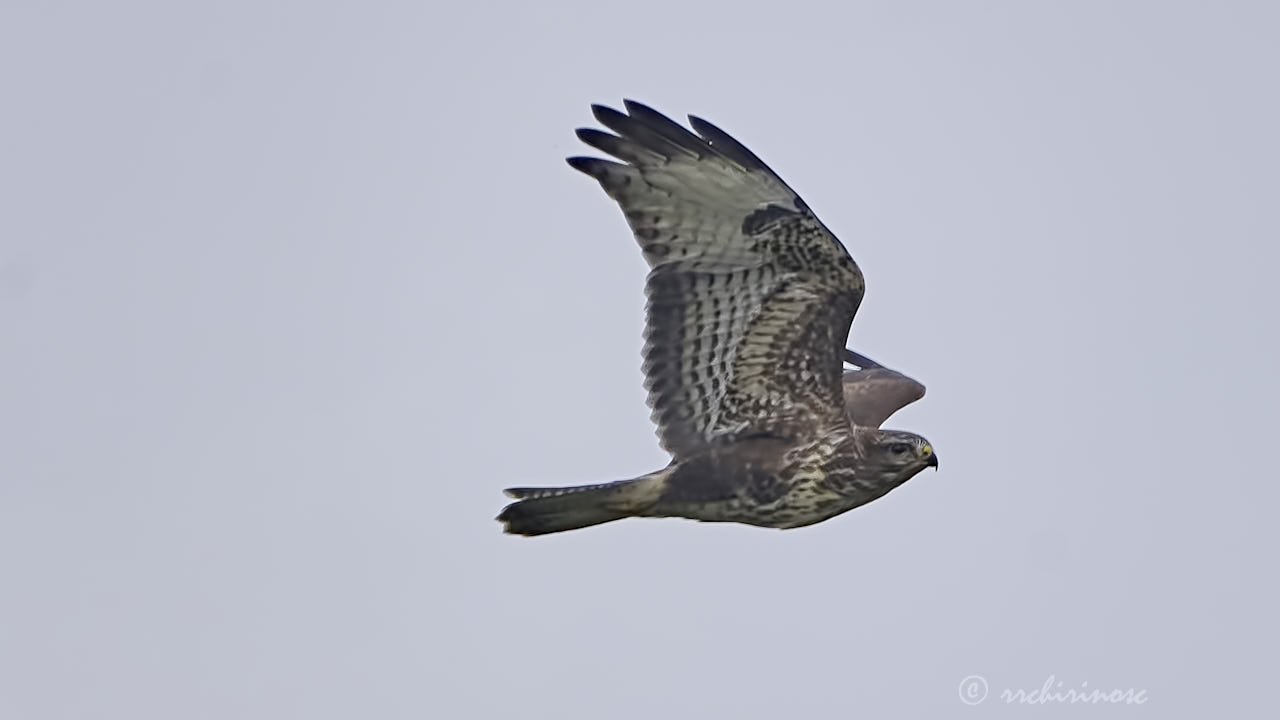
x=750 y=298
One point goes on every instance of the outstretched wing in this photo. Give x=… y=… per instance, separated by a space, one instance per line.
x=750 y=296
x=873 y=392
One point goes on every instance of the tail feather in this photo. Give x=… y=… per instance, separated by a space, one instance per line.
x=539 y=511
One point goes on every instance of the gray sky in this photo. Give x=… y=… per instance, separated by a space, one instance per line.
x=290 y=291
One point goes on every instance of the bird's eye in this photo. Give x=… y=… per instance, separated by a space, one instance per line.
x=899 y=448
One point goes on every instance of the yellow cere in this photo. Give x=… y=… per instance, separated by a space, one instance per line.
x=927 y=450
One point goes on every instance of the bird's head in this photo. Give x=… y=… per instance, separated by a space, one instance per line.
x=902 y=452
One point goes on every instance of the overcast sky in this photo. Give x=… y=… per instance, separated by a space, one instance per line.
x=290 y=291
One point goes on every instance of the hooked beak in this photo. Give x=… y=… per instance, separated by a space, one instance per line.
x=932 y=461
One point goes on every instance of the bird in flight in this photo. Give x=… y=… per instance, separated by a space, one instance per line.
x=750 y=299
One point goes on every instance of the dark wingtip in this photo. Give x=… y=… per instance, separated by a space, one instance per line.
x=727 y=145
x=506 y=517
x=860 y=360
x=705 y=128
x=663 y=125
x=597 y=168
x=618 y=122
x=635 y=107
x=587 y=135
x=581 y=164
x=604 y=113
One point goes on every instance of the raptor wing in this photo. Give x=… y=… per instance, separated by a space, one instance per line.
x=873 y=392
x=750 y=296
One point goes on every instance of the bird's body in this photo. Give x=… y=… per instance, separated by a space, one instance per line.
x=764 y=481
x=750 y=302
x=769 y=482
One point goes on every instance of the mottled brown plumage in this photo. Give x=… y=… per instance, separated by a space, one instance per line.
x=750 y=299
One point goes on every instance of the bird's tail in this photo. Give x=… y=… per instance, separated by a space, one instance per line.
x=539 y=511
